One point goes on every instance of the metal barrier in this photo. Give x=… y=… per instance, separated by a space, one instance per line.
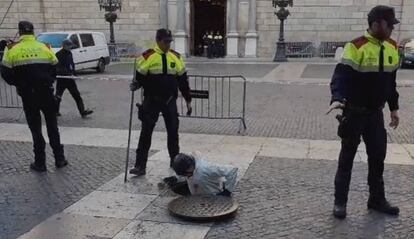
x=327 y=49
x=8 y=96
x=299 y=49
x=217 y=97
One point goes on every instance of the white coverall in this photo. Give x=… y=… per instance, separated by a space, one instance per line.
x=210 y=179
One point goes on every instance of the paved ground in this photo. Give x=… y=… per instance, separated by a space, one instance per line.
x=286 y=191
x=27 y=198
x=295 y=111
x=292 y=198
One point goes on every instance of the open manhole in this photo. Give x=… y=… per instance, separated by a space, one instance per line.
x=203 y=208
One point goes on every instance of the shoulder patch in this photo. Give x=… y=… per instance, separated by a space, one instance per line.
x=392 y=42
x=11 y=45
x=175 y=53
x=146 y=54
x=359 y=42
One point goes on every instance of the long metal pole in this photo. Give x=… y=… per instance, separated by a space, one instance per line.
x=131 y=110
x=129 y=135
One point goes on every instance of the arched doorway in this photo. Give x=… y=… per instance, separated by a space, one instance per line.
x=206 y=16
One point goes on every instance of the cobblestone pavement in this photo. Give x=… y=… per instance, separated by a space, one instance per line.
x=293 y=198
x=28 y=198
x=272 y=110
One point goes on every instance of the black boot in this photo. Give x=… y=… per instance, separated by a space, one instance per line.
x=86 y=113
x=138 y=171
x=339 y=211
x=382 y=205
x=38 y=168
x=61 y=163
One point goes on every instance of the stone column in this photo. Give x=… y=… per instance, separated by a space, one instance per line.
x=164 y=13
x=251 y=36
x=232 y=35
x=180 y=34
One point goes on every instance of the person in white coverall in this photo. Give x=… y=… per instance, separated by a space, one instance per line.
x=205 y=178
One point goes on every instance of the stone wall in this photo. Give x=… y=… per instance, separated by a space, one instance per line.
x=310 y=20
x=137 y=21
x=326 y=20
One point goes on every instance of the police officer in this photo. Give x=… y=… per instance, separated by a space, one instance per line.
x=219 y=44
x=66 y=67
x=361 y=85
x=210 y=44
x=30 y=66
x=161 y=72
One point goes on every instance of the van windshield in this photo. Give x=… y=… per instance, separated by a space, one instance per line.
x=55 y=40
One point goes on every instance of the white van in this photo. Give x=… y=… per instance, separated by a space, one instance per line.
x=90 y=48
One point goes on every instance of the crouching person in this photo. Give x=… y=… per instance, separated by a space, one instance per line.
x=205 y=178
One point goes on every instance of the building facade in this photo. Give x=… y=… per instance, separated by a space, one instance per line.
x=250 y=27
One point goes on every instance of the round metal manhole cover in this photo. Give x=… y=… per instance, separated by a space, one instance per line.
x=203 y=207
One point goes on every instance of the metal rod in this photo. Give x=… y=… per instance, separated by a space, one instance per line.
x=215 y=94
x=244 y=103
x=202 y=99
x=195 y=102
x=129 y=135
x=208 y=102
x=228 y=115
x=222 y=97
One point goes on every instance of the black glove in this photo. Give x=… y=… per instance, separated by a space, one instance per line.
x=225 y=193
x=133 y=86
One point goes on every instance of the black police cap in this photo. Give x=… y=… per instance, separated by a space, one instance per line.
x=26 y=27
x=381 y=12
x=164 y=35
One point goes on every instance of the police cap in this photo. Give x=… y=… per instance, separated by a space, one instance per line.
x=26 y=27
x=182 y=162
x=381 y=12
x=164 y=35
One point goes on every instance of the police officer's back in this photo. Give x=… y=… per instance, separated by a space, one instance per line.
x=30 y=66
x=362 y=83
x=161 y=72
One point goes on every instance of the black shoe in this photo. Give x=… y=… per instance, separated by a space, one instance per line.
x=383 y=206
x=58 y=114
x=138 y=171
x=61 y=163
x=86 y=113
x=339 y=211
x=38 y=168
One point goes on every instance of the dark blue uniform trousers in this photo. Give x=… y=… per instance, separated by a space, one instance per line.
x=149 y=113
x=369 y=125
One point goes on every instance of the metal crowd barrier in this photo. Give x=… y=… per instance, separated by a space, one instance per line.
x=327 y=49
x=217 y=97
x=299 y=49
x=8 y=95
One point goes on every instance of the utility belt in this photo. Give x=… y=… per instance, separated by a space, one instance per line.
x=361 y=109
x=159 y=99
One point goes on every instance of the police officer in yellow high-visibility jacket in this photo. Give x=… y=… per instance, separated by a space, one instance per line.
x=30 y=66
x=161 y=72
x=362 y=83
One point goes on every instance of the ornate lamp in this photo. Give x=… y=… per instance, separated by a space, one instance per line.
x=110 y=7
x=282 y=15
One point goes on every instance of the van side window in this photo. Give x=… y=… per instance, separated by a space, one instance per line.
x=87 y=40
x=75 y=40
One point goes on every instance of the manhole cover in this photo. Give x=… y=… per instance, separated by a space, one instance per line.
x=203 y=207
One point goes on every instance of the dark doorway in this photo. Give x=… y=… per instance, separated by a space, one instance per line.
x=206 y=16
